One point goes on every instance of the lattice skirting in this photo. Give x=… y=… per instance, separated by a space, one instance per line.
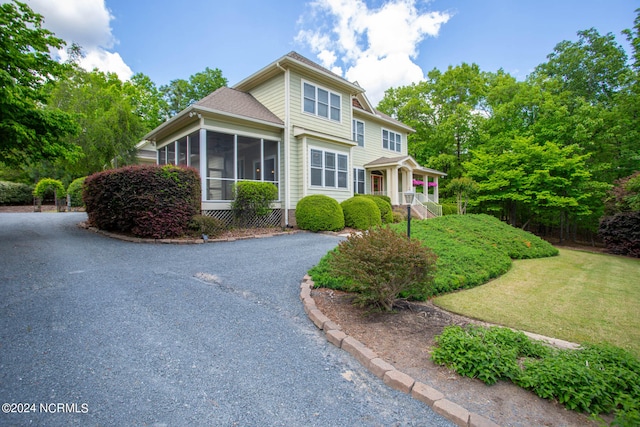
x=274 y=219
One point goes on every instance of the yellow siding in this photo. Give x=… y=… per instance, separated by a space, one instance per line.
x=241 y=129
x=271 y=95
x=319 y=124
x=178 y=134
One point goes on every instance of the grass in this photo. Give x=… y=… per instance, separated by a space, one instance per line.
x=577 y=296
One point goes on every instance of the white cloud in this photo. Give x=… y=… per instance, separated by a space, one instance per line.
x=375 y=47
x=87 y=23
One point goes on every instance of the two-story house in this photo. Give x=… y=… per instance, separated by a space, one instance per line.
x=297 y=125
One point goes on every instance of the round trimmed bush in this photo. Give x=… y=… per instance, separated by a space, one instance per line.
x=319 y=213
x=386 y=212
x=75 y=191
x=361 y=213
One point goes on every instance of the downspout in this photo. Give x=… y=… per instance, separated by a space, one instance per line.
x=287 y=142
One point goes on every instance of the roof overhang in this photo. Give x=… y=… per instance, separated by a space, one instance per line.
x=194 y=113
x=302 y=132
x=402 y=162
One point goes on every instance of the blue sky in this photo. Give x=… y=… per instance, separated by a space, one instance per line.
x=379 y=43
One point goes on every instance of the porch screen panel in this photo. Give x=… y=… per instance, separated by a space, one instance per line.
x=171 y=153
x=162 y=156
x=220 y=166
x=249 y=158
x=271 y=163
x=182 y=151
x=194 y=150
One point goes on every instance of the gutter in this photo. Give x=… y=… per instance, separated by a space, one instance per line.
x=287 y=143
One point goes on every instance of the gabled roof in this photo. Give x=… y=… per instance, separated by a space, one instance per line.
x=225 y=102
x=238 y=103
x=296 y=61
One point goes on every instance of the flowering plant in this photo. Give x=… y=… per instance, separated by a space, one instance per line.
x=417 y=182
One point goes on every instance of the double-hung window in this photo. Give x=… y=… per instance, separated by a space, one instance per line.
x=328 y=169
x=391 y=140
x=358 y=132
x=358 y=181
x=321 y=102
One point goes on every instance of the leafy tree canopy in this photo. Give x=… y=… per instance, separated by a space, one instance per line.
x=180 y=93
x=27 y=129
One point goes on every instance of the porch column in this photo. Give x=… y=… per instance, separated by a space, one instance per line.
x=435 y=190
x=203 y=163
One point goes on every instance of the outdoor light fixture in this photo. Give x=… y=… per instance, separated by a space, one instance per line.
x=408 y=198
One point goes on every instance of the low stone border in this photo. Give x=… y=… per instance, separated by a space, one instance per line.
x=185 y=241
x=386 y=371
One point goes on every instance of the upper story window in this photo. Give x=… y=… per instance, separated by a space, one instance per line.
x=321 y=102
x=391 y=140
x=358 y=132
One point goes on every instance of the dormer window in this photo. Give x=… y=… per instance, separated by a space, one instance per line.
x=321 y=102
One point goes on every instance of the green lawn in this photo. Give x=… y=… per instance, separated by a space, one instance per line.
x=576 y=296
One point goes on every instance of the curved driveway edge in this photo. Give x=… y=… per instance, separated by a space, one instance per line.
x=385 y=371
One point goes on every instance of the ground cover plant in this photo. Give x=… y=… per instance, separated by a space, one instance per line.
x=471 y=250
x=596 y=379
x=577 y=296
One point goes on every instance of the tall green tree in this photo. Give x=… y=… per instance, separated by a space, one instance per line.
x=106 y=112
x=446 y=110
x=180 y=93
x=28 y=131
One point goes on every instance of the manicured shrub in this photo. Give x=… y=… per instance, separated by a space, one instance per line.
x=201 y=224
x=380 y=264
x=49 y=186
x=319 y=213
x=15 y=193
x=147 y=201
x=74 y=191
x=383 y=203
x=449 y=209
x=252 y=199
x=621 y=233
x=361 y=213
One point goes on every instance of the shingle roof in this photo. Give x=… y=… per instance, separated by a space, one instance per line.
x=238 y=103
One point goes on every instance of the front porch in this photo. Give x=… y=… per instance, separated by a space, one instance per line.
x=393 y=177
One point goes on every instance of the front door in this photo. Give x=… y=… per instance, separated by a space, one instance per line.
x=377 y=184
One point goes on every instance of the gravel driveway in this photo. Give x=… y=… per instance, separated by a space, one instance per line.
x=95 y=331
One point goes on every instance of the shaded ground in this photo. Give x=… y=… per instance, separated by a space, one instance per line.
x=404 y=338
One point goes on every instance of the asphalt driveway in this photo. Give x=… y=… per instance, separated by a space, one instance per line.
x=95 y=331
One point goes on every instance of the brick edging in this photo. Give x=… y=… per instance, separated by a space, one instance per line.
x=386 y=371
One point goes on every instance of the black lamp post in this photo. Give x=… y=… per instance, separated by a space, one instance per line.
x=408 y=198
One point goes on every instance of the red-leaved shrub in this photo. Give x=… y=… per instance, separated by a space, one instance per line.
x=147 y=201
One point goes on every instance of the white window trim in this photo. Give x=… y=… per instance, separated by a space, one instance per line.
x=330 y=92
x=356 y=170
x=354 y=127
x=394 y=141
x=337 y=169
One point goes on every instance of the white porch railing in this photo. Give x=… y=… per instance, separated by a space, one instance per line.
x=424 y=204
